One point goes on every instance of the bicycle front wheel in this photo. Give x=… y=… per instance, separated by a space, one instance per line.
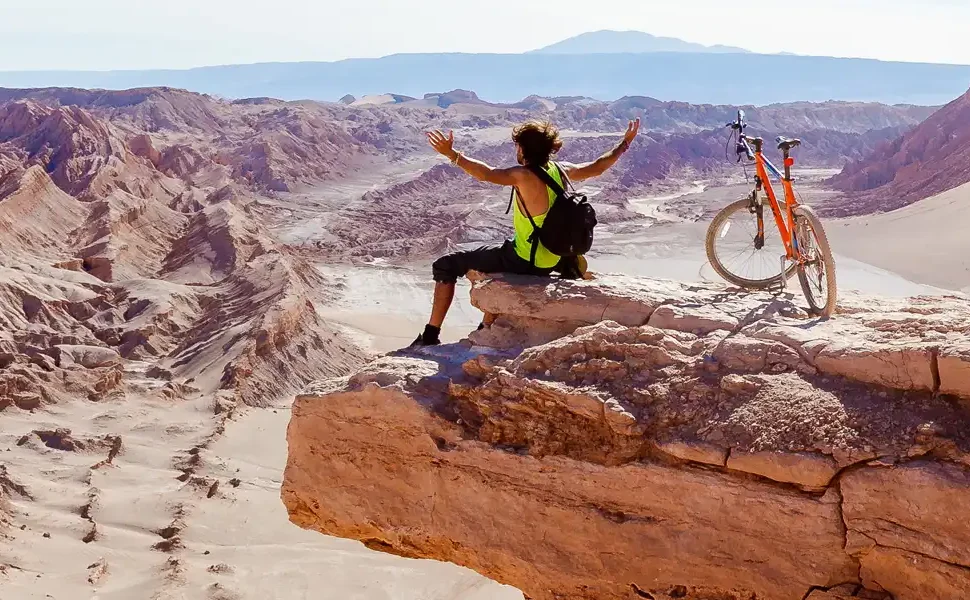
x=816 y=272
x=735 y=252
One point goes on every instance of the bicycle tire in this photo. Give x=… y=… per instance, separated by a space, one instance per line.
x=710 y=245
x=817 y=308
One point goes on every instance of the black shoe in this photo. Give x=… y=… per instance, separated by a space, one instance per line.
x=420 y=341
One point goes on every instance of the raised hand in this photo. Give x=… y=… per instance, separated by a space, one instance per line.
x=443 y=145
x=631 y=131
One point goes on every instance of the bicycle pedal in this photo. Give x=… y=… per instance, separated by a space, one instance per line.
x=776 y=289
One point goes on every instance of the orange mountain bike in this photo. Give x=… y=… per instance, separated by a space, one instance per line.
x=745 y=252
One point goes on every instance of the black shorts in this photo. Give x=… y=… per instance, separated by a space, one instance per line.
x=487 y=259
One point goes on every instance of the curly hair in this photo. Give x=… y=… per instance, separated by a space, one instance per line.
x=539 y=140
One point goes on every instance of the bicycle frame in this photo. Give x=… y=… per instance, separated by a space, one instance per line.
x=764 y=166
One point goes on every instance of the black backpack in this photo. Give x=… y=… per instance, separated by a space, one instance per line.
x=568 y=228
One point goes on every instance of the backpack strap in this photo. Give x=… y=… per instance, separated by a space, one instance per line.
x=534 y=238
x=548 y=180
x=511 y=198
x=564 y=177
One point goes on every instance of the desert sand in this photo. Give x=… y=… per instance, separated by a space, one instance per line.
x=157 y=538
x=925 y=241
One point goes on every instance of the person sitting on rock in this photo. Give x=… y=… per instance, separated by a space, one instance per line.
x=535 y=142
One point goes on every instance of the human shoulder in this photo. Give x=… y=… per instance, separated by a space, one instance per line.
x=517 y=173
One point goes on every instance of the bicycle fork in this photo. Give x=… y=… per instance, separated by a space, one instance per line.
x=758 y=208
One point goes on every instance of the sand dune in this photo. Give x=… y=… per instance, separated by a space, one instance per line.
x=926 y=241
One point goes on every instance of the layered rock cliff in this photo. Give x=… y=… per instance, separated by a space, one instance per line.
x=634 y=438
x=929 y=159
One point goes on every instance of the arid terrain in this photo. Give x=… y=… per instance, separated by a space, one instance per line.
x=928 y=160
x=176 y=268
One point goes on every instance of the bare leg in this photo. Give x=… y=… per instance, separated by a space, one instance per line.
x=444 y=293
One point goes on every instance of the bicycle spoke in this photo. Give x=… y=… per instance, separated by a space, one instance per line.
x=813 y=264
x=735 y=247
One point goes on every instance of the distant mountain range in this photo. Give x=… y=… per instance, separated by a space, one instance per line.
x=715 y=75
x=620 y=42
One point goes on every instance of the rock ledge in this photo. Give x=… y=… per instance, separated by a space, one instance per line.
x=636 y=438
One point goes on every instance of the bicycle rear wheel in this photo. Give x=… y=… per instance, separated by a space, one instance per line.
x=817 y=273
x=734 y=254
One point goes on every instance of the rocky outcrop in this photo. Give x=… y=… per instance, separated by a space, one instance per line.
x=73 y=145
x=911 y=344
x=261 y=333
x=142 y=145
x=255 y=332
x=89 y=357
x=446 y=99
x=634 y=438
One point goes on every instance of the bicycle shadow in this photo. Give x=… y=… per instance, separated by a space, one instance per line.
x=782 y=304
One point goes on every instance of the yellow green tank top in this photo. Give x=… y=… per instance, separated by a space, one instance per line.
x=523 y=228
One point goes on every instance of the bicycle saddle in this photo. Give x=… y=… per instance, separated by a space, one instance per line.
x=787 y=143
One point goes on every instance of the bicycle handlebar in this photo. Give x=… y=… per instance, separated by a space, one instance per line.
x=739 y=123
x=742 y=146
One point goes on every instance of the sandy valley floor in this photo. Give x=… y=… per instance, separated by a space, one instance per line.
x=175 y=541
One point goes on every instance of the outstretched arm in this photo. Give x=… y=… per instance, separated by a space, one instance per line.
x=601 y=164
x=476 y=168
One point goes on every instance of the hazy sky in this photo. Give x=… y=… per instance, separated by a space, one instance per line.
x=129 y=34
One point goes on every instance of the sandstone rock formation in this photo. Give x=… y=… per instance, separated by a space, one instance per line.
x=633 y=438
